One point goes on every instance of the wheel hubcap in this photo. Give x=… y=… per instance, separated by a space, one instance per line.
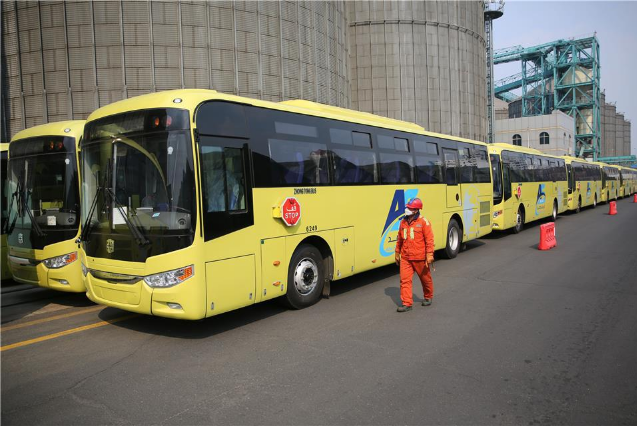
x=306 y=276
x=453 y=239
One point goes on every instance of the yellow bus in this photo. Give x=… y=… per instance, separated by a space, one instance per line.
x=584 y=183
x=626 y=182
x=198 y=202
x=610 y=182
x=527 y=185
x=44 y=206
x=5 y=273
x=631 y=175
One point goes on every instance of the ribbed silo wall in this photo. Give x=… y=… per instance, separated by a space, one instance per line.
x=627 y=139
x=64 y=59
x=422 y=62
x=619 y=135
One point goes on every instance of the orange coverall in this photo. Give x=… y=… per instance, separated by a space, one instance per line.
x=415 y=245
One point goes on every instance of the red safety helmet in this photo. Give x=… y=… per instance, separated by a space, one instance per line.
x=414 y=203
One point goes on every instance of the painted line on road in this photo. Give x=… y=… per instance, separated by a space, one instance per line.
x=53 y=318
x=67 y=332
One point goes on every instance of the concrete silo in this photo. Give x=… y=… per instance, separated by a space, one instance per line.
x=62 y=60
x=423 y=62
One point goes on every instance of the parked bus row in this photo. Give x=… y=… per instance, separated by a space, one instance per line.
x=191 y=203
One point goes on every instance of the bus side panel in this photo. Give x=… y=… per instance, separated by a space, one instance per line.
x=274 y=268
x=230 y=284
x=344 y=244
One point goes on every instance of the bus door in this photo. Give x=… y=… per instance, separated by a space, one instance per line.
x=571 y=182
x=454 y=198
x=227 y=207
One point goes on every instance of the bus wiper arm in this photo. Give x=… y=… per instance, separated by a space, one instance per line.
x=34 y=224
x=139 y=237
x=86 y=228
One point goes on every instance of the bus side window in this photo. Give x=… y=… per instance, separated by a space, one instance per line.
x=223 y=179
x=298 y=163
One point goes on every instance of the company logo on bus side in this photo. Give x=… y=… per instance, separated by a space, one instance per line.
x=392 y=223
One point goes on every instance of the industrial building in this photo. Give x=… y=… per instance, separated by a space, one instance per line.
x=412 y=60
x=562 y=75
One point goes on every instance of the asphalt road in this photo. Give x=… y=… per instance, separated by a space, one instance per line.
x=515 y=336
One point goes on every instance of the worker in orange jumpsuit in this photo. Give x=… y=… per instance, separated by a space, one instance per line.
x=415 y=253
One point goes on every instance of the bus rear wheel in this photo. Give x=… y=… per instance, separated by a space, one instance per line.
x=554 y=215
x=306 y=277
x=519 y=221
x=454 y=239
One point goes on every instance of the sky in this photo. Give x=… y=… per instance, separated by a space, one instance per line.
x=529 y=23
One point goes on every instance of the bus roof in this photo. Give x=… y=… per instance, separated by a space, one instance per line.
x=73 y=128
x=191 y=98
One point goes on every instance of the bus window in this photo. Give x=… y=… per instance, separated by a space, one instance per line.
x=569 y=172
x=223 y=179
x=364 y=140
x=351 y=167
x=497 y=178
x=396 y=168
x=395 y=144
x=298 y=163
x=428 y=169
x=451 y=166
x=482 y=160
x=506 y=181
x=467 y=164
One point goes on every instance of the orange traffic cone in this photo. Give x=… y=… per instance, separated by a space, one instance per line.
x=613 y=208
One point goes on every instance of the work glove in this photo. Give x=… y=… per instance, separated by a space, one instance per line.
x=397 y=258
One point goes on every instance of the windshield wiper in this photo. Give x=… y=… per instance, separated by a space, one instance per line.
x=86 y=228
x=34 y=224
x=139 y=237
x=21 y=202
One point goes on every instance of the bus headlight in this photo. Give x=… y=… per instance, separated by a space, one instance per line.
x=60 y=261
x=170 y=278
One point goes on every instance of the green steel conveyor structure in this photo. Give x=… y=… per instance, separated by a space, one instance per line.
x=565 y=72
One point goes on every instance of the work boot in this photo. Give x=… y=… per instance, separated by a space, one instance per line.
x=427 y=302
x=403 y=308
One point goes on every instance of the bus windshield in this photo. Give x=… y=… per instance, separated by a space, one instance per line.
x=497 y=179
x=138 y=181
x=42 y=192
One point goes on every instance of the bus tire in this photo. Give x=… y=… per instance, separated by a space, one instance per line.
x=579 y=205
x=454 y=240
x=306 y=277
x=519 y=223
x=554 y=215
x=595 y=201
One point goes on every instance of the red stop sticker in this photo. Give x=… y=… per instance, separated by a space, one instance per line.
x=519 y=192
x=290 y=211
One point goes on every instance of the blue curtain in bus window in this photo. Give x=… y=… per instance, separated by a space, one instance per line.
x=428 y=169
x=351 y=167
x=298 y=163
x=396 y=168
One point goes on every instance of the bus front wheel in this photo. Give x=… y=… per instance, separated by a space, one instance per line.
x=519 y=221
x=454 y=239
x=595 y=201
x=306 y=277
